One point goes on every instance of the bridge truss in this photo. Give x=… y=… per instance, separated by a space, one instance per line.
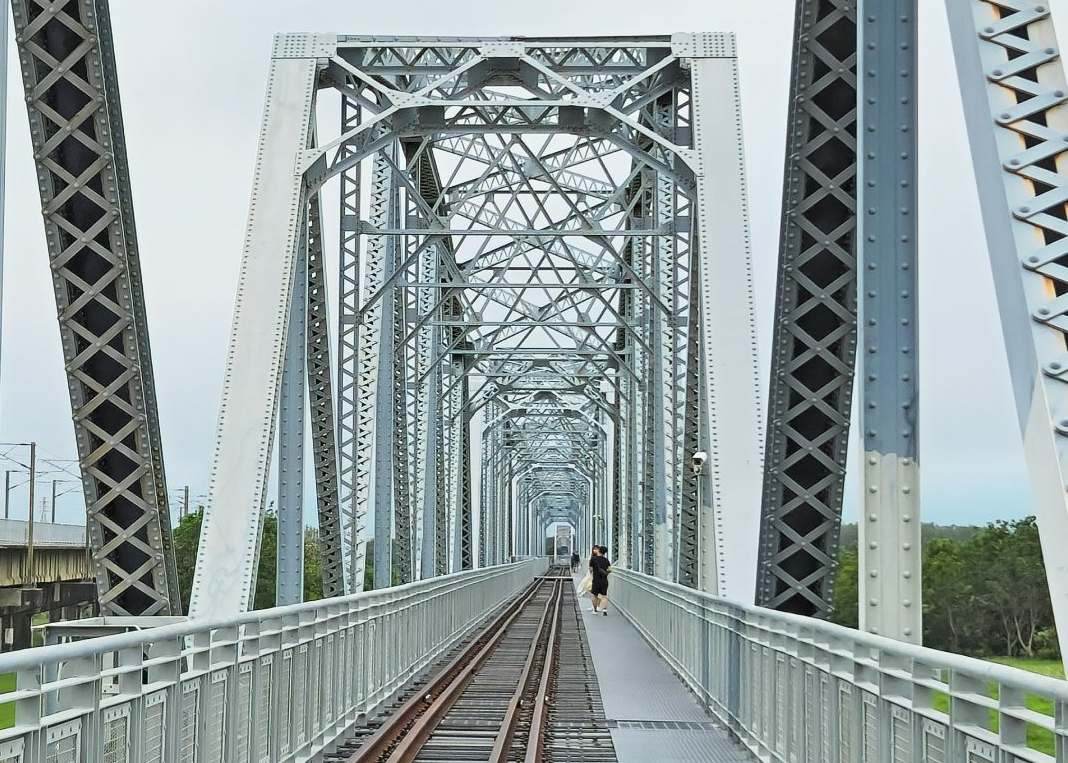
x=535 y=235
x=544 y=304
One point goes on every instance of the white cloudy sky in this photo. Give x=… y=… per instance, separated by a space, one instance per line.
x=192 y=78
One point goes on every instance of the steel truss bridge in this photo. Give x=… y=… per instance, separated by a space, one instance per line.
x=541 y=310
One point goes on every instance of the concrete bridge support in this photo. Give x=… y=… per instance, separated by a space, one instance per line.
x=61 y=600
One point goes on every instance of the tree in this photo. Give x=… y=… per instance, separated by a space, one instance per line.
x=984 y=590
x=267 y=570
x=186 y=538
x=846 y=589
x=313 y=566
x=948 y=618
x=1008 y=562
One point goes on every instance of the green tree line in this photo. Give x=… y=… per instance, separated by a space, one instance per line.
x=984 y=590
x=186 y=538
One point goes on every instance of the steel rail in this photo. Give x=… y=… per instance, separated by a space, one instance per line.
x=539 y=719
x=502 y=745
x=419 y=734
x=409 y=727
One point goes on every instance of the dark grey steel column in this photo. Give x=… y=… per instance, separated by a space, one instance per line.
x=815 y=319
x=289 y=553
x=382 y=485
x=464 y=498
x=890 y=582
x=402 y=493
x=691 y=511
x=68 y=68
x=321 y=403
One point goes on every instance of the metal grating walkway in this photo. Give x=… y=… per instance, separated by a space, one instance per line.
x=651 y=713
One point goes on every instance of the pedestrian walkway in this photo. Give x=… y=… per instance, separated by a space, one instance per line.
x=653 y=716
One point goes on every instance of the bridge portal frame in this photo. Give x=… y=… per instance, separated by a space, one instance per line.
x=702 y=159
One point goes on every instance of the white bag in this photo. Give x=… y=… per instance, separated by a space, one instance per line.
x=586 y=584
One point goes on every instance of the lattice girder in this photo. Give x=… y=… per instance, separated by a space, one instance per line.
x=67 y=59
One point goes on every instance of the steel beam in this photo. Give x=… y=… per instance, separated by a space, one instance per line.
x=231 y=529
x=814 y=343
x=352 y=504
x=69 y=74
x=321 y=401
x=728 y=317
x=289 y=586
x=890 y=550
x=382 y=414
x=1015 y=95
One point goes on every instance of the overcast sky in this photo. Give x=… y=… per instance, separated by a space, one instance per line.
x=192 y=78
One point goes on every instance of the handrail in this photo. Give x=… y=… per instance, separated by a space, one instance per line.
x=780 y=682
x=282 y=684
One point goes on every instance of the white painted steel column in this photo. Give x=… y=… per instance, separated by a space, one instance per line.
x=729 y=338
x=226 y=556
x=1016 y=109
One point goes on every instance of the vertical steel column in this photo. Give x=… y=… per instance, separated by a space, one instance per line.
x=619 y=526
x=442 y=514
x=485 y=499
x=633 y=475
x=69 y=74
x=890 y=554
x=463 y=487
x=1015 y=96
x=814 y=344
x=321 y=403
x=663 y=335
x=429 y=461
x=353 y=384
x=728 y=329
x=289 y=588
x=382 y=483
x=402 y=494
x=692 y=546
x=373 y=379
x=427 y=347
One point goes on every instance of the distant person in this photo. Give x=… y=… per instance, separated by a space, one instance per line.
x=574 y=561
x=599 y=569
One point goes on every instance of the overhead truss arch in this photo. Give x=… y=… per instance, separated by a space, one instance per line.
x=527 y=229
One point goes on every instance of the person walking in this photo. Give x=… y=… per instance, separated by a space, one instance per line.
x=600 y=566
x=574 y=561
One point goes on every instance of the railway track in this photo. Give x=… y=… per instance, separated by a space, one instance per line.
x=501 y=698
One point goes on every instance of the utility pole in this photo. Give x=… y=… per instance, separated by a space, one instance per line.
x=54 y=501
x=29 y=527
x=3 y=158
x=185 y=504
x=7 y=492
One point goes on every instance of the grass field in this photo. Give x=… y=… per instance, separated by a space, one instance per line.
x=7 y=710
x=1038 y=738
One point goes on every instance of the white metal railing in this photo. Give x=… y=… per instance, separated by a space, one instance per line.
x=806 y=691
x=15 y=532
x=281 y=684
